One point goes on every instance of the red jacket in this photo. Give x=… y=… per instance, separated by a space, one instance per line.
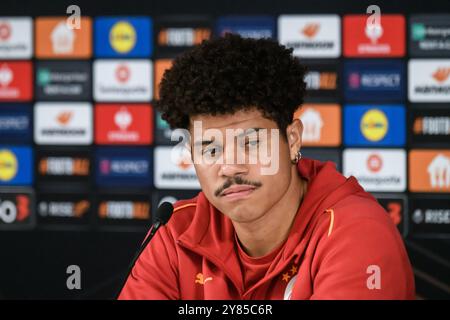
x=342 y=245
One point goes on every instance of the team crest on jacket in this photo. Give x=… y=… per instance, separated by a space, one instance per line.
x=200 y=278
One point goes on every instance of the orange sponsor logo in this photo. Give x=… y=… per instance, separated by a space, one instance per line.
x=55 y=39
x=328 y=81
x=429 y=170
x=103 y=209
x=441 y=74
x=80 y=208
x=310 y=30
x=418 y=126
x=321 y=124
x=79 y=166
x=161 y=66
x=184 y=164
x=438 y=125
x=178 y=36
x=64 y=117
x=141 y=210
x=124 y=209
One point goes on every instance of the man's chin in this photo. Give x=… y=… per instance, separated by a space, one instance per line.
x=241 y=213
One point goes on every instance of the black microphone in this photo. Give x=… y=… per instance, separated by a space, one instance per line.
x=162 y=216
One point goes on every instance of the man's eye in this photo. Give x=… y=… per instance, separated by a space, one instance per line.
x=252 y=142
x=211 y=151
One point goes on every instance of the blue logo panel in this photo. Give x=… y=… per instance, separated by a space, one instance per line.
x=16 y=166
x=247 y=27
x=123 y=167
x=374 y=125
x=374 y=81
x=123 y=37
x=15 y=123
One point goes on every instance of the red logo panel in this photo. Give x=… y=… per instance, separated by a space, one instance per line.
x=123 y=124
x=364 y=37
x=16 y=81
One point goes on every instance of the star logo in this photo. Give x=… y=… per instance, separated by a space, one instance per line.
x=294 y=270
x=286 y=276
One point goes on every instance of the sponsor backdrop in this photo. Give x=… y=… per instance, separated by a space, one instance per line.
x=82 y=148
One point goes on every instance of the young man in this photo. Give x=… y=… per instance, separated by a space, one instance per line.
x=287 y=228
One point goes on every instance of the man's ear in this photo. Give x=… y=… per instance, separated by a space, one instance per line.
x=294 y=133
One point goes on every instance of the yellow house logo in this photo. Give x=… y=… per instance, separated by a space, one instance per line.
x=374 y=125
x=122 y=37
x=8 y=165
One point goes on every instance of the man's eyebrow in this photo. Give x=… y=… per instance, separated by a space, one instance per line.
x=243 y=134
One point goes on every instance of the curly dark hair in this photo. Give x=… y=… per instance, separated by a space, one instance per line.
x=231 y=73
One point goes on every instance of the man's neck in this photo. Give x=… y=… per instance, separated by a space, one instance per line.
x=260 y=237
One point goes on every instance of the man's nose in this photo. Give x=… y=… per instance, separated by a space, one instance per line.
x=231 y=170
x=231 y=166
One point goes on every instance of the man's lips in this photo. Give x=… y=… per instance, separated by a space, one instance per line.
x=237 y=192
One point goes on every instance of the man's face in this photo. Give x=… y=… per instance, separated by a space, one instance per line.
x=242 y=190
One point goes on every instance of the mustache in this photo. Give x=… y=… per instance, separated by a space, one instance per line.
x=236 y=180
